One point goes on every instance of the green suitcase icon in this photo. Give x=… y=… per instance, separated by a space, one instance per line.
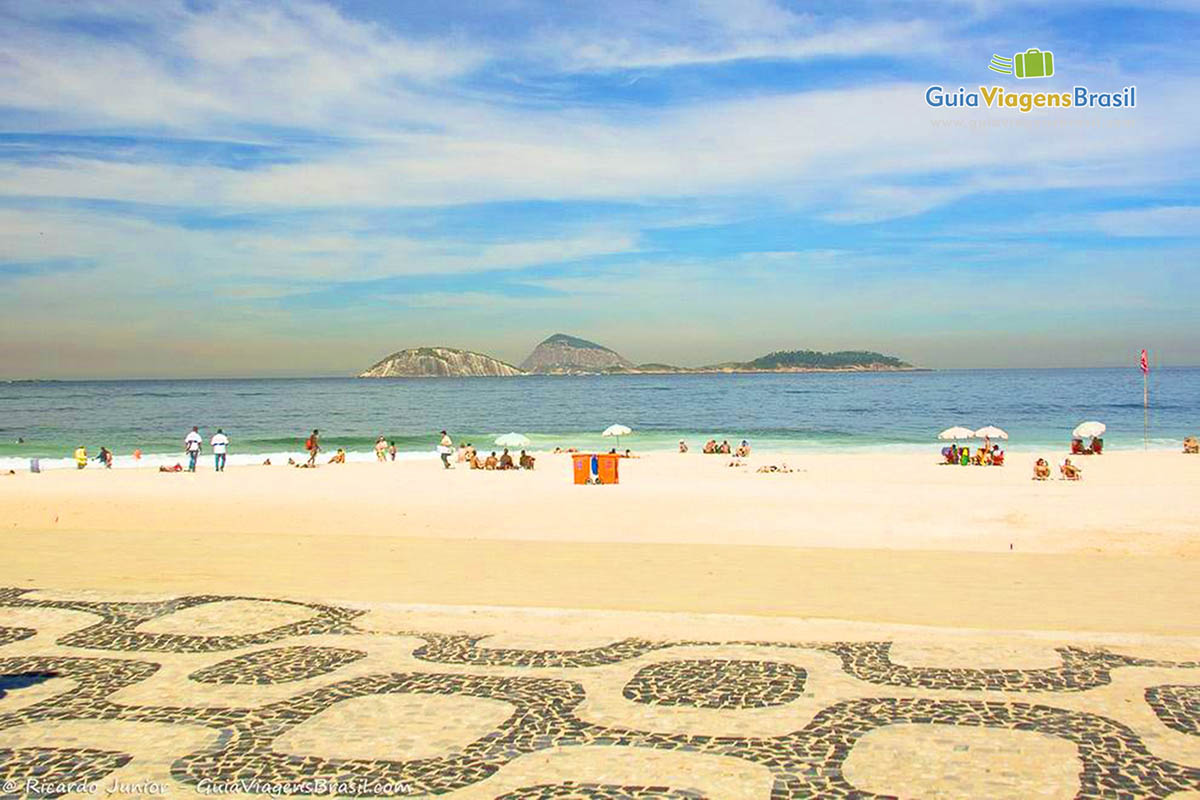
x=1034 y=63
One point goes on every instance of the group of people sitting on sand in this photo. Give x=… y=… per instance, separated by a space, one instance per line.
x=712 y=448
x=984 y=457
x=1094 y=449
x=1070 y=472
x=468 y=455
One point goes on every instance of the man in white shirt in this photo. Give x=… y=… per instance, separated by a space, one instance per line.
x=220 y=443
x=191 y=446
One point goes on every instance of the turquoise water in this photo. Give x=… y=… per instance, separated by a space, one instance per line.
x=795 y=411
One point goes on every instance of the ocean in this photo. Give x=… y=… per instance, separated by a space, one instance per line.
x=798 y=411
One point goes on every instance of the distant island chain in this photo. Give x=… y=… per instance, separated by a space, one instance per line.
x=561 y=354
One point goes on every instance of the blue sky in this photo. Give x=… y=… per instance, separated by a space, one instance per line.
x=250 y=188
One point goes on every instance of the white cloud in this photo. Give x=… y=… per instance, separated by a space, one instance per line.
x=299 y=64
x=1160 y=221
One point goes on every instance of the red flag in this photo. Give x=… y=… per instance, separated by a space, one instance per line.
x=1145 y=363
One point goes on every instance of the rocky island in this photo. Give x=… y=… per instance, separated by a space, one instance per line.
x=438 y=362
x=562 y=354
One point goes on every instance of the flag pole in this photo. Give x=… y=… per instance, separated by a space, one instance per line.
x=1145 y=410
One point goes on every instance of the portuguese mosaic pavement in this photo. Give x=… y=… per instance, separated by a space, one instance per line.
x=207 y=695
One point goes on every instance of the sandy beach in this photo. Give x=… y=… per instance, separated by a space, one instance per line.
x=876 y=538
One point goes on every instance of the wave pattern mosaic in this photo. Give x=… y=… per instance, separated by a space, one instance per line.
x=204 y=693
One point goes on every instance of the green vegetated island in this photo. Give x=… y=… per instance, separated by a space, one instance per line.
x=561 y=354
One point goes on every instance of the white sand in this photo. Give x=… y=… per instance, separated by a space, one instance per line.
x=889 y=538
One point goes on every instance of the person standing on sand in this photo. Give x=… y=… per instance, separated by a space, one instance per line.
x=445 y=448
x=81 y=457
x=191 y=446
x=220 y=443
x=392 y=450
x=313 y=446
x=381 y=449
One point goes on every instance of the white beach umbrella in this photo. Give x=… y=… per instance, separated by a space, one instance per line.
x=617 y=431
x=1086 y=430
x=957 y=432
x=512 y=440
x=990 y=432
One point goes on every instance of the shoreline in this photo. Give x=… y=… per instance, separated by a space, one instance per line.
x=151 y=461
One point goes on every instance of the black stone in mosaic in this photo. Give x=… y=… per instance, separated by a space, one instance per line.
x=572 y=790
x=1081 y=670
x=541 y=718
x=716 y=683
x=804 y=763
x=43 y=772
x=10 y=635
x=278 y=665
x=1177 y=706
x=463 y=649
x=117 y=629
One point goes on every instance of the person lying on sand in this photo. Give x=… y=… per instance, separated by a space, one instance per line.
x=1041 y=470
x=176 y=468
x=526 y=460
x=774 y=468
x=338 y=458
x=506 y=461
x=1070 y=471
x=490 y=462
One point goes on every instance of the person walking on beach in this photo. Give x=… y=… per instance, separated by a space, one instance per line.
x=191 y=446
x=220 y=443
x=313 y=446
x=381 y=449
x=445 y=448
x=81 y=457
x=392 y=450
